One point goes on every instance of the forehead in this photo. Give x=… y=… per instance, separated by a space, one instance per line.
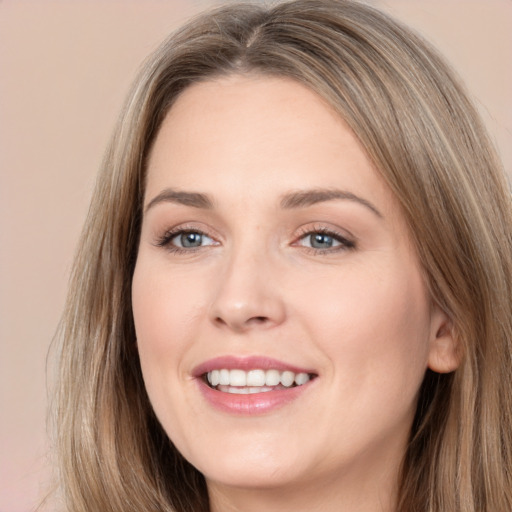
x=250 y=110
x=264 y=134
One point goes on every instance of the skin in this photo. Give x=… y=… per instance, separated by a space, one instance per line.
x=358 y=314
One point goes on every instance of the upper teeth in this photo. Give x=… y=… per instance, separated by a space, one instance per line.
x=252 y=378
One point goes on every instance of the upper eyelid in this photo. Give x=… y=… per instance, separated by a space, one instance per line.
x=189 y=228
x=347 y=240
x=323 y=228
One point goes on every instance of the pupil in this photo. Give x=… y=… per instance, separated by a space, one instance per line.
x=320 y=241
x=191 y=239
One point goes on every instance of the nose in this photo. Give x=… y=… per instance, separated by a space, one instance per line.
x=248 y=295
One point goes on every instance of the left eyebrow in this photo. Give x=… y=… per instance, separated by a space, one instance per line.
x=305 y=198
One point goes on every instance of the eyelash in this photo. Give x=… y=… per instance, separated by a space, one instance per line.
x=345 y=243
x=166 y=239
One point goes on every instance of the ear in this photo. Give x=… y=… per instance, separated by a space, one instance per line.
x=445 y=352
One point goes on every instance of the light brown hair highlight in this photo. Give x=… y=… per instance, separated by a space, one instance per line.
x=414 y=120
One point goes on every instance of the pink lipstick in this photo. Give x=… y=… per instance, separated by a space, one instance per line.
x=251 y=385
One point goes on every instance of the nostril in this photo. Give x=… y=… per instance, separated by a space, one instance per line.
x=256 y=320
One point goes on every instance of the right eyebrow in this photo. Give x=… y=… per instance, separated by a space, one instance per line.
x=193 y=199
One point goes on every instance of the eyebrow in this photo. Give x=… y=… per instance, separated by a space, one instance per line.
x=193 y=199
x=291 y=200
x=305 y=198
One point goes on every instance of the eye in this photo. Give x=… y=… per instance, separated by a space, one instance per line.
x=190 y=239
x=185 y=240
x=322 y=240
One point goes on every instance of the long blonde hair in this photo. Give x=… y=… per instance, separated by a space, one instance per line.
x=416 y=123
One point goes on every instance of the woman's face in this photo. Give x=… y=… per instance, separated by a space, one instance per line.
x=272 y=252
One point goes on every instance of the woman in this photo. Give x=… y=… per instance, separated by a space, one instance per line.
x=294 y=285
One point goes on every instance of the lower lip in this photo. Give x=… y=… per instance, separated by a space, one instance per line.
x=253 y=403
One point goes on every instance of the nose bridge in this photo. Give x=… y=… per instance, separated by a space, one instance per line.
x=247 y=293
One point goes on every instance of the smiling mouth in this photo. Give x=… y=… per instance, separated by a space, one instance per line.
x=243 y=382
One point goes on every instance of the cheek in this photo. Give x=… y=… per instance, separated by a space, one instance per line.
x=166 y=317
x=375 y=335
x=374 y=325
x=165 y=310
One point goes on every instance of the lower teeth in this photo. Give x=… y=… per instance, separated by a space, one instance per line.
x=247 y=390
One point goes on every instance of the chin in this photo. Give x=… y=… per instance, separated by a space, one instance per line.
x=249 y=474
x=264 y=463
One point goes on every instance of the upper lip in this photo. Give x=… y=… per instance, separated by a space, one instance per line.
x=246 y=363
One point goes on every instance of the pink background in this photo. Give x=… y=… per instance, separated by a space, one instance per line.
x=65 y=67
